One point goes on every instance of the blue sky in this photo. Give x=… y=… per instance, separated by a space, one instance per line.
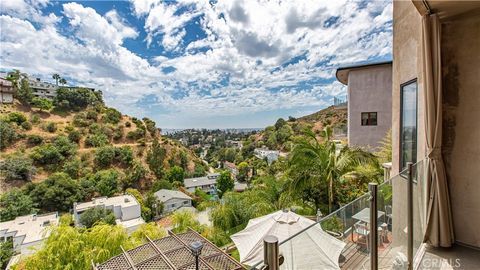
x=198 y=63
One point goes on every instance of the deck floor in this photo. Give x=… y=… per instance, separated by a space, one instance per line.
x=356 y=255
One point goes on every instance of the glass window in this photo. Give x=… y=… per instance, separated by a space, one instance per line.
x=369 y=118
x=408 y=123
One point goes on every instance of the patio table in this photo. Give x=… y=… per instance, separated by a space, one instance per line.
x=364 y=216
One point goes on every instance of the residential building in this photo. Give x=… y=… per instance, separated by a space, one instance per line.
x=205 y=183
x=42 y=89
x=231 y=167
x=126 y=209
x=173 y=199
x=234 y=144
x=270 y=155
x=369 y=102
x=6 y=91
x=436 y=105
x=27 y=232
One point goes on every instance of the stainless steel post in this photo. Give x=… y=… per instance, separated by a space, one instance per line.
x=271 y=253
x=410 y=216
x=372 y=187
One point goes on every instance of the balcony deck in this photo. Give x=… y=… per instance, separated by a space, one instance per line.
x=356 y=255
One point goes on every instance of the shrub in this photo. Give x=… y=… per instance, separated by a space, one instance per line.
x=42 y=103
x=76 y=99
x=72 y=167
x=150 y=124
x=96 y=140
x=118 y=133
x=106 y=182
x=92 y=115
x=65 y=146
x=161 y=184
x=74 y=136
x=8 y=135
x=16 y=117
x=50 y=127
x=112 y=116
x=134 y=175
x=46 y=154
x=97 y=214
x=105 y=156
x=80 y=120
x=124 y=155
x=26 y=125
x=15 y=203
x=35 y=119
x=34 y=139
x=128 y=124
x=17 y=167
x=136 y=134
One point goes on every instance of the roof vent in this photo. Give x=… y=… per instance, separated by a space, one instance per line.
x=126 y=200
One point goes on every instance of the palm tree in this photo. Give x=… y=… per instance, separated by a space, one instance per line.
x=56 y=77
x=315 y=164
x=62 y=81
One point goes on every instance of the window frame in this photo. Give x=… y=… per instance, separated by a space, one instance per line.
x=367 y=125
x=402 y=86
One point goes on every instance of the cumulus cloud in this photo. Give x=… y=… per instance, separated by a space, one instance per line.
x=246 y=57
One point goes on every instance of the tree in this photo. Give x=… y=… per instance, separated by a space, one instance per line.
x=16 y=117
x=161 y=184
x=156 y=206
x=106 y=182
x=155 y=158
x=62 y=81
x=65 y=146
x=104 y=156
x=56 y=77
x=134 y=175
x=46 y=154
x=316 y=166
x=8 y=135
x=96 y=140
x=243 y=170
x=225 y=183
x=175 y=174
x=385 y=150
x=73 y=167
x=24 y=93
x=76 y=98
x=6 y=252
x=182 y=220
x=17 y=167
x=42 y=103
x=280 y=123
x=112 y=116
x=57 y=193
x=15 y=203
x=150 y=230
x=97 y=214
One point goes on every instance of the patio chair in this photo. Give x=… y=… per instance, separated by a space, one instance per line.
x=388 y=214
x=362 y=232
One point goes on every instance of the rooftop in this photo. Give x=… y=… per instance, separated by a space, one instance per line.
x=123 y=200
x=171 y=252
x=210 y=179
x=32 y=226
x=342 y=72
x=165 y=195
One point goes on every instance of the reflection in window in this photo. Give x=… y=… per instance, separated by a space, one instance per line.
x=369 y=118
x=408 y=123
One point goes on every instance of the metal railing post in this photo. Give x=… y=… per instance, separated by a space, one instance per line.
x=372 y=187
x=271 y=253
x=410 y=216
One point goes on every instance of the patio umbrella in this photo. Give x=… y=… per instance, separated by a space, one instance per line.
x=311 y=249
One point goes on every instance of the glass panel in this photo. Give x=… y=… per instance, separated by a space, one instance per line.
x=408 y=124
x=419 y=203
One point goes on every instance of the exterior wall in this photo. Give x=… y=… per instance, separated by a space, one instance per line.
x=369 y=90
x=6 y=97
x=461 y=124
x=130 y=212
x=175 y=203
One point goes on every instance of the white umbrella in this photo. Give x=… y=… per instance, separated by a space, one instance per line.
x=312 y=249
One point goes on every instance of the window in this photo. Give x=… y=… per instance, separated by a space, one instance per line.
x=369 y=118
x=408 y=123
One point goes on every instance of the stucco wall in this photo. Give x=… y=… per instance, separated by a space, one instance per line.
x=369 y=90
x=461 y=122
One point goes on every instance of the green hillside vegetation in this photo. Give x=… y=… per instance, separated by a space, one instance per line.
x=79 y=149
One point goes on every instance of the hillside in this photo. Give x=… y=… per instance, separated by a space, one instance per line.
x=279 y=135
x=87 y=132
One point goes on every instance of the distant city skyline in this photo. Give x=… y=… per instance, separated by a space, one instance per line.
x=198 y=64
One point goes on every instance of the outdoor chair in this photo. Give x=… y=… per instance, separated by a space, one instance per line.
x=388 y=214
x=362 y=233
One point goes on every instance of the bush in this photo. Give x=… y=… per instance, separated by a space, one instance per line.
x=96 y=140
x=105 y=156
x=16 y=117
x=97 y=214
x=124 y=155
x=26 y=125
x=72 y=167
x=46 y=154
x=92 y=115
x=112 y=116
x=76 y=99
x=15 y=203
x=35 y=119
x=80 y=120
x=17 y=167
x=8 y=135
x=65 y=146
x=134 y=175
x=34 y=139
x=128 y=124
x=136 y=134
x=118 y=133
x=50 y=127
x=74 y=136
x=106 y=182
x=42 y=103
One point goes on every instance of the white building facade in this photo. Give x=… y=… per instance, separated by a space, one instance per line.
x=173 y=200
x=205 y=183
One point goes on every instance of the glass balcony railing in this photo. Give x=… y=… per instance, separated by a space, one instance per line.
x=342 y=238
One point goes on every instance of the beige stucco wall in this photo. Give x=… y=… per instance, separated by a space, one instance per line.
x=461 y=124
x=369 y=90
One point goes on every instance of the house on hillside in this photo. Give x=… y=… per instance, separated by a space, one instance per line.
x=42 y=89
x=231 y=167
x=369 y=102
x=173 y=199
x=270 y=155
x=205 y=183
x=126 y=209
x=27 y=232
x=6 y=91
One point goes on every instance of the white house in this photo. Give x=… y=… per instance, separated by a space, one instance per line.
x=271 y=155
x=205 y=183
x=42 y=89
x=6 y=91
x=27 y=232
x=173 y=199
x=126 y=209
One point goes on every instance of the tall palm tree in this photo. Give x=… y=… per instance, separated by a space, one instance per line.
x=316 y=163
x=56 y=77
x=62 y=81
